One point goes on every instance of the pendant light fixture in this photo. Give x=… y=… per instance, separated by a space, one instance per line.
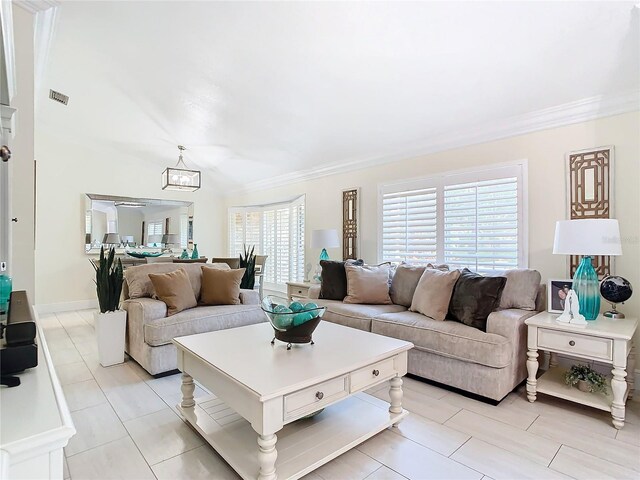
x=180 y=177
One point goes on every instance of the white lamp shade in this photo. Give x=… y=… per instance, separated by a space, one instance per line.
x=587 y=237
x=325 y=239
x=111 y=238
x=171 y=238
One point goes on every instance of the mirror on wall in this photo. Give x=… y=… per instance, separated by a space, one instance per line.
x=140 y=224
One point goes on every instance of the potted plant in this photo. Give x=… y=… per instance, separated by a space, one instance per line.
x=249 y=263
x=110 y=322
x=586 y=379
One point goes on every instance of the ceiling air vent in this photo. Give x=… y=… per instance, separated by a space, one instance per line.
x=58 y=97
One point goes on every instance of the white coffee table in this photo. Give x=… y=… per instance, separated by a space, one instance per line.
x=266 y=388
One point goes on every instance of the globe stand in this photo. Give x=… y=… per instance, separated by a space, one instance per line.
x=613 y=313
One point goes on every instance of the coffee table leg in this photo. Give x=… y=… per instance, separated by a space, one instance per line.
x=395 y=394
x=187 y=388
x=267 y=455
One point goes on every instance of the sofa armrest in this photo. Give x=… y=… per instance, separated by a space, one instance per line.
x=509 y=323
x=249 y=297
x=146 y=309
x=314 y=291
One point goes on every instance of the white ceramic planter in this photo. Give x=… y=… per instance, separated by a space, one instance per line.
x=110 y=331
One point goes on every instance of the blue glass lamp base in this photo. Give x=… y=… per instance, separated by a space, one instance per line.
x=585 y=284
x=317 y=277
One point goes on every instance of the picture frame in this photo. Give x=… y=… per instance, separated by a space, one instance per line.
x=555 y=300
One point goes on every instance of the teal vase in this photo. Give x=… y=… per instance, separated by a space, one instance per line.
x=324 y=255
x=195 y=253
x=585 y=284
x=5 y=292
x=185 y=254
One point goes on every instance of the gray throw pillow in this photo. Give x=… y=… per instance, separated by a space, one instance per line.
x=521 y=289
x=474 y=298
x=404 y=283
x=433 y=293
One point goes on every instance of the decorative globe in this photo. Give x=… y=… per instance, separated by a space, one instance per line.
x=615 y=289
x=293 y=323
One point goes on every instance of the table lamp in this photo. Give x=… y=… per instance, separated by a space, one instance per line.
x=588 y=237
x=111 y=239
x=326 y=238
x=170 y=239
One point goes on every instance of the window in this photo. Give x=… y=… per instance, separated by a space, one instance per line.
x=154 y=232
x=473 y=219
x=277 y=231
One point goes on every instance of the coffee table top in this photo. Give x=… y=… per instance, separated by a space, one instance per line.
x=246 y=355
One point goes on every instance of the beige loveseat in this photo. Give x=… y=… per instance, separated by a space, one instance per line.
x=490 y=364
x=150 y=331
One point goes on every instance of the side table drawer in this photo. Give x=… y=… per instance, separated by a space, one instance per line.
x=372 y=374
x=577 y=343
x=314 y=398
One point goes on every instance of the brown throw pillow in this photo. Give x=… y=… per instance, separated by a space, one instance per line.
x=174 y=289
x=334 y=279
x=433 y=293
x=474 y=298
x=404 y=283
x=367 y=284
x=221 y=287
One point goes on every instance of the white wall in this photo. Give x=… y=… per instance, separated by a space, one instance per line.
x=22 y=166
x=545 y=151
x=66 y=171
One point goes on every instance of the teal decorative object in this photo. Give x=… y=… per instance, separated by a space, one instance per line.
x=291 y=326
x=185 y=254
x=144 y=254
x=324 y=255
x=6 y=286
x=585 y=284
x=195 y=255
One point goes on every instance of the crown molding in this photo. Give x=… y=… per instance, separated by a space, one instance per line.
x=566 y=114
x=35 y=6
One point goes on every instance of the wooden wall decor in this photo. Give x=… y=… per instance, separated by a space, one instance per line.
x=590 y=195
x=350 y=212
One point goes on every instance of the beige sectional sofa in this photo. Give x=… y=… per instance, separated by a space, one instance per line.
x=150 y=330
x=490 y=364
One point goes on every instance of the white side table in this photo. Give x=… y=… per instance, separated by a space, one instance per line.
x=604 y=340
x=298 y=290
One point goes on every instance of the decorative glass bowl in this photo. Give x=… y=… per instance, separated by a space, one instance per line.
x=293 y=323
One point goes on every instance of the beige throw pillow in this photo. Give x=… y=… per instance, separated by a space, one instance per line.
x=433 y=293
x=521 y=289
x=221 y=287
x=367 y=284
x=174 y=289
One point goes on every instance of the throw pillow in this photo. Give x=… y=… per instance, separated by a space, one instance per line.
x=174 y=289
x=521 y=289
x=221 y=287
x=474 y=298
x=439 y=266
x=334 y=279
x=404 y=283
x=433 y=293
x=367 y=284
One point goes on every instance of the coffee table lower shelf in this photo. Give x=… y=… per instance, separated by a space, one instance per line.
x=303 y=445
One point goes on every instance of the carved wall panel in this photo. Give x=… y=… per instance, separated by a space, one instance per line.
x=350 y=247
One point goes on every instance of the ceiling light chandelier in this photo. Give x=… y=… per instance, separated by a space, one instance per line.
x=180 y=177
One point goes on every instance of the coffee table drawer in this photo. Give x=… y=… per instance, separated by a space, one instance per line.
x=577 y=343
x=372 y=374
x=313 y=398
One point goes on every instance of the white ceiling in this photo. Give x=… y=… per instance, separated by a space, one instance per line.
x=257 y=90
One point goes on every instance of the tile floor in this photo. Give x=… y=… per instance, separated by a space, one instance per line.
x=127 y=427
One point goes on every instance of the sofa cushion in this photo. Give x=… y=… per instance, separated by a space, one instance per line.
x=447 y=338
x=368 y=284
x=355 y=315
x=200 y=320
x=474 y=298
x=433 y=293
x=174 y=289
x=221 y=287
x=404 y=283
x=521 y=289
x=334 y=279
x=139 y=285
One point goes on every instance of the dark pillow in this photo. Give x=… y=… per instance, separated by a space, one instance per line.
x=334 y=279
x=474 y=298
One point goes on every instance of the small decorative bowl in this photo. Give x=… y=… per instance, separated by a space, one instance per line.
x=294 y=323
x=144 y=254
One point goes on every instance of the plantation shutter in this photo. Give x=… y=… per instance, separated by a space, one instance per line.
x=409 y=230
x=481 y=225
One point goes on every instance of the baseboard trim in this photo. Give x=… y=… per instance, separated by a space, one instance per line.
x=66 y=306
